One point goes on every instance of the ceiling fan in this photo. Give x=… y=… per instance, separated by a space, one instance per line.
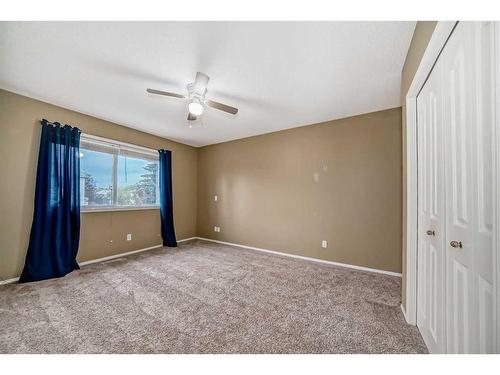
x=196 y=97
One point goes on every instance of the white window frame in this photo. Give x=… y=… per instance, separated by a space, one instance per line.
x=127 y=146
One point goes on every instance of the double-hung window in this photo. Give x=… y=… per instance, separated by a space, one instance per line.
x=117 y=176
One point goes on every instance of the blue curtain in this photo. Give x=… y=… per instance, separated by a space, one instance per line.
x=55 y=231
x=166 y=206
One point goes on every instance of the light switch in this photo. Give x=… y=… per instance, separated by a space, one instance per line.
x=216 y=198
x=324 y=244
x=129 y=237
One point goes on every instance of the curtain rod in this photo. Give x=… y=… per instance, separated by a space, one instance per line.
x=107 y=140
x=56 y=123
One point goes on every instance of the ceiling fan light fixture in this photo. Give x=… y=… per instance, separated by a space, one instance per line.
x=196 y=98
x=195 y=107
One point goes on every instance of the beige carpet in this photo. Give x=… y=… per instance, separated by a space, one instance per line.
x=207 y=298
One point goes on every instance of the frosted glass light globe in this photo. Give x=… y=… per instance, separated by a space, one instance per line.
x=195 y=108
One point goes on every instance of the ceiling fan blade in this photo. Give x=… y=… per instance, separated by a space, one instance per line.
x=165 y=93
x=201 y=82
x=221 y=107
x=191 y=117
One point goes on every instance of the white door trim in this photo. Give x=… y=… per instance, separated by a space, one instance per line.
x=438 y=40
x=496 y=197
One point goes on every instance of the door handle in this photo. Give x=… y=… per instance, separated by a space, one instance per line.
x=456 y=244
x=431 y=233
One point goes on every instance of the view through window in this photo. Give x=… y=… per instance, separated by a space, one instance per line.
x=114 y=175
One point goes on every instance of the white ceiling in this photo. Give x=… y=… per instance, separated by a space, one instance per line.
x=279 y=74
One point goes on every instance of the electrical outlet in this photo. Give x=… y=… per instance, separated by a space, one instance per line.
x=216 y=198
x=129 y=237
x=217 y=229
x=324 y=244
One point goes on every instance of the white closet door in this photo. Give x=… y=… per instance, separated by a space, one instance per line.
x=431 y=262
x=468 y=79
x=483 y=34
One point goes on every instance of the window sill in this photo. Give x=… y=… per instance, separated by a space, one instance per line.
x=114 y=209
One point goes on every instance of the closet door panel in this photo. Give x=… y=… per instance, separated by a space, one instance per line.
x=484 y=76
x=458 y=165
x=423 y=217
x=469 y=98
x=430 y=291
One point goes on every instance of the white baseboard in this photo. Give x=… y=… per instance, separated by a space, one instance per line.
x=404 y=313
x=129 y=253
x=87 y=262
x=187 y=239
x=15 y=279
x=9 y=281
x=360 y=268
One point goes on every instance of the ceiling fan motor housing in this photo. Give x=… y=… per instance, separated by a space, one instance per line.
x=196 y=92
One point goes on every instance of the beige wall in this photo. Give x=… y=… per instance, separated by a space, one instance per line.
x=19 y=143
x=419 y=42
x=338 y=181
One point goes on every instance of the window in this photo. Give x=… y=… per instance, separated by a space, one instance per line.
x=115 y=175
